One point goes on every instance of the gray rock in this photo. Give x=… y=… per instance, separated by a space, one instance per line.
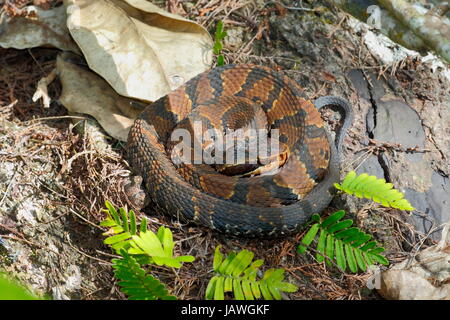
x=397 y=123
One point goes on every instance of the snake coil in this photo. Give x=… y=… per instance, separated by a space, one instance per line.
x=259 y=206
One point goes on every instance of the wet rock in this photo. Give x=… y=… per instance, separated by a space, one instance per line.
x=435 y=203
x=359 y=84
x=371 y=166
x=392 y=121
x=397 y=123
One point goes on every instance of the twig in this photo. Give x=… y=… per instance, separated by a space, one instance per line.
x=55 y=118
x=67 y=166
x=22 y=239
x=290 y=8
x=9 y=186
x=85 y=220
x=85 y=254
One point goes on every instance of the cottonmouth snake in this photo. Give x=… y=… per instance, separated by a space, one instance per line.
x=266 y=204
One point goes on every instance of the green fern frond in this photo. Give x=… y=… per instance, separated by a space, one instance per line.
x=122 y=226
x=237 y=273
x=145 y=244
x=371 y=187
x=338 y=241
x=135 y=282
x=159 y=247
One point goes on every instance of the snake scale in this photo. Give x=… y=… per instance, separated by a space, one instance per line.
x=256 y=205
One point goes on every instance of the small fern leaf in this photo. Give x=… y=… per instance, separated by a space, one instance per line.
x=218 y=258
x=112 y=211
x=332 y=219
x=308 y=238
x=237 y=273
x=211 y=288
x=219 y=30
x=167 y=241
x=218 y=291
x=321 y=245
x=348 y=178
x=274 y=280
x=144 y=225
x=340 y=257
x=380 y=259
x=132 y=220
x=117 y=238
x=150 y=244
x=367 y=258
x=243 y=263
x=220 y=60
x=351 y=260
x=147 y=242
x=315 y=218
x=340 y=226
x=363 y=238
x=375 y=255
x=354 y=237
x=122 y=226
x=347 y=246
x=228 y=285
x=108 y=223
x=369 y=245
x=360 y=260
x=247 y=290
x=265 y=291
x=237 y=289
x=251 y=272
x=373 y=188
x=329 y=251
x=255 y=289
x=274 y=291
x=347 y=234
x=226 y=262
x=134 y=281
x=239 y=263
x=124 y=218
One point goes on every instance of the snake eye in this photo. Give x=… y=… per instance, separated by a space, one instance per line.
x=257 y=100
x=283 y=138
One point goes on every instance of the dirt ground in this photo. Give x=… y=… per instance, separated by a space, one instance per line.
x=57 y=170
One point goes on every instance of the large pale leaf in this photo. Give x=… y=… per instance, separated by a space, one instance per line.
x=85 y=92
x=139 y=49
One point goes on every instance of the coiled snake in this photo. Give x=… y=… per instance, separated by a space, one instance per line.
x=259 y=200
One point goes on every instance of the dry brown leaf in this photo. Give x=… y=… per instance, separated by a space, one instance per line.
x=37 y=28
x=84 y=91
x=426 y=278
x=140 y=50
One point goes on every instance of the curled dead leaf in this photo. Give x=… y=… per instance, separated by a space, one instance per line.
x=424 y=278
x=83 y=91
x=140 y=50
x=36 y=28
